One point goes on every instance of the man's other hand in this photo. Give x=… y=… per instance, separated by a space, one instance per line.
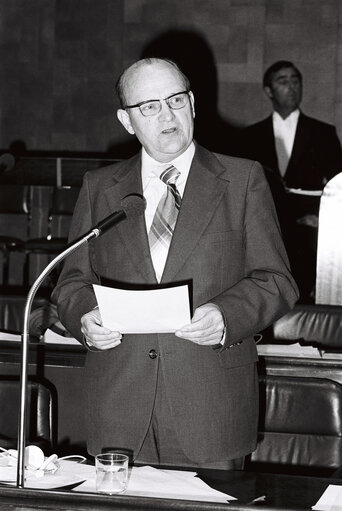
x=97 y=335
x=206 y=327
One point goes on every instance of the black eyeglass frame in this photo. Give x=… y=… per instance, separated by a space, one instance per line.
x=138 y=105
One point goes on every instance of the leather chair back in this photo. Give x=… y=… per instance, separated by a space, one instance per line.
x=317 y=325
x=300 y=425
x=41 y=414
x=63 y=202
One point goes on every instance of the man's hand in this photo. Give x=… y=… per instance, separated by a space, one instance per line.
x=97 y=335
x=206 y=327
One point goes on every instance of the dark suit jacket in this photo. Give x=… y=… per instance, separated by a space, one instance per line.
x=227 y=242
x=316 y=156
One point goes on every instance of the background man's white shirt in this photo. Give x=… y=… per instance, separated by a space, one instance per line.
x=284 y=134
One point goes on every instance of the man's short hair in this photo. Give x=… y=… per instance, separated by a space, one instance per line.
x=277 y=66
x=120 y=84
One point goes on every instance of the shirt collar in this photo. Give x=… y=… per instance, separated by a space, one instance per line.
x=152 y=168
x=292 y=118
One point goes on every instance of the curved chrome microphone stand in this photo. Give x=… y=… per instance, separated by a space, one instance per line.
x=24 y=349
x=133 y=205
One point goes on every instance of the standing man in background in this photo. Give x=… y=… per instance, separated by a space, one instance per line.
x=188 y=398
x=304 y=153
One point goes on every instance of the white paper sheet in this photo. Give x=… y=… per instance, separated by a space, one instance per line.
x=144 y=311
x=7 y=336
x=51 y=337
x=288 y=350
x=331 y=499
x=69 y=473
x=151 y=482
x=143 y=481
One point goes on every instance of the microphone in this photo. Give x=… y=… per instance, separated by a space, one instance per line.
x=7 y=162
x=133 y=205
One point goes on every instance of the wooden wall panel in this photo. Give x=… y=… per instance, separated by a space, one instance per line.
x=59 y=60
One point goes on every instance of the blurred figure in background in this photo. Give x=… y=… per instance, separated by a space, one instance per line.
x=301 y=152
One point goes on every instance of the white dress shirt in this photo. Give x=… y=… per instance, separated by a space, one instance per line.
x=284 y=134
x=154 y=187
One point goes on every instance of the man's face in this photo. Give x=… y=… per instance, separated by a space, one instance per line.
x=285 y=90
x=169 y=133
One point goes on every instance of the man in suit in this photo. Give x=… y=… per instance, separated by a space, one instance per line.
x=304 y=151
x=301 y=152
x=188 y=398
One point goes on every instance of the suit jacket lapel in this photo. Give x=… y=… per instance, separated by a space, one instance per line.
x=269 y=143
x=127 y=180
x=202 y=193
x=201 y=196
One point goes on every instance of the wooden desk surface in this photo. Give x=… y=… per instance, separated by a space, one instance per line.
x=286 y=493
x=300 y=366
x=69 y=355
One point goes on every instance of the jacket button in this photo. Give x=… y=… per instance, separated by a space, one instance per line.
x=152 y=354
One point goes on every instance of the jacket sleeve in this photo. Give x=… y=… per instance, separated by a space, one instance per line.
x=267 y=291
x=74 y=293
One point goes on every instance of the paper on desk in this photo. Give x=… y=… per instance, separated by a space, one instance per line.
x=288 y=350
x=143 y=481
x=331 y=499
x=9 y=336
x=168 y=484
x=69 y=473
x=51 y=337
x=143 y=311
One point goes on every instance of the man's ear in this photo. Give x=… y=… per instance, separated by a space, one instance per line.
x=268 y=92
x=125 y=120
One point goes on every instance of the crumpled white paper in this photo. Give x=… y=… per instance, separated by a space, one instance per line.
x=168 y=484
x=331 y=499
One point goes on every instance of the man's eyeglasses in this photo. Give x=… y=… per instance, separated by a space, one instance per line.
x=153 y=106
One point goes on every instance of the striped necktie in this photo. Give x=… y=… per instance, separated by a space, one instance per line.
x=164 y=221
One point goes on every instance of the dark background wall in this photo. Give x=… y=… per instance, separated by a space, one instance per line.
x=59 y=60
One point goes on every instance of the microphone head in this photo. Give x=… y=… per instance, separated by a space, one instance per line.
x=7 y=162
x=133 y=205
